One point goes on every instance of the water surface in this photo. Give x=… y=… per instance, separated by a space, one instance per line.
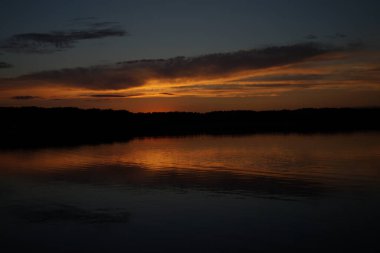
x=258 y=193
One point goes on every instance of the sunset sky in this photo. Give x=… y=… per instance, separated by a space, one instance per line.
x=190 y=55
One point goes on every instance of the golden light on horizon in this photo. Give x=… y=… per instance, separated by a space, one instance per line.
x=336 y=73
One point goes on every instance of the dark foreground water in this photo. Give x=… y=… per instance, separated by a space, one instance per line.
x=259 y=193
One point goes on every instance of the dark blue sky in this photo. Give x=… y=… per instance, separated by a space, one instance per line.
x=164 y=28
x=43 y=35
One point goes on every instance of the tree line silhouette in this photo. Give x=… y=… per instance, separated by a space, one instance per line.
x=34 y=126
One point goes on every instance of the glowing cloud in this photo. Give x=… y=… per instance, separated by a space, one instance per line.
x=130 y=74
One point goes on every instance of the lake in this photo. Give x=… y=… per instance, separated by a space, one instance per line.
x=256 y=193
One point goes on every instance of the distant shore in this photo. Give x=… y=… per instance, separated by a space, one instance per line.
x=37 y=127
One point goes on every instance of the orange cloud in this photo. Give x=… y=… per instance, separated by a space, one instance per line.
x=131 y=74
x=268 y=73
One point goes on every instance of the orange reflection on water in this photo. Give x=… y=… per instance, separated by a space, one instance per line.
x=322 y=157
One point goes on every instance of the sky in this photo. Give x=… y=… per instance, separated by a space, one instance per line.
x=190 y=55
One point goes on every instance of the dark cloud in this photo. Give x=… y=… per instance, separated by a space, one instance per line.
x=114 y=95
x=167 y=94
x=355 y=45
x=239 y=87
x=311 y=37
x=107 y=96
x=4 y=65
x=24 y=97
x=59 y=40
x=137 y=73
x=285 y=77
x=337 y=36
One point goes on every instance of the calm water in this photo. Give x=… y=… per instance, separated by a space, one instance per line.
x=259 y=193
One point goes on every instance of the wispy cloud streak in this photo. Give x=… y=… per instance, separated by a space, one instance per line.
x=131 y=74
x=4 y=65
x=24 y=97
x=59 y=40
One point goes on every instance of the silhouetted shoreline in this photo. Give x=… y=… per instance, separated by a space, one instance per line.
x=37 y=127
